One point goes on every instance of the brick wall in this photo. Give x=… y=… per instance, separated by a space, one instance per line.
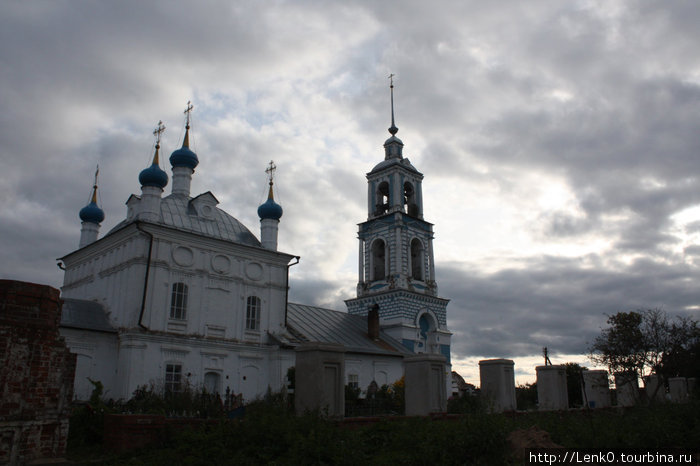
x=36 y=380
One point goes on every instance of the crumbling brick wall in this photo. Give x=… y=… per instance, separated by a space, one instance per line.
x=36 y=375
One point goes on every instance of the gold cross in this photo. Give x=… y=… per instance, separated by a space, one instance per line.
x=158 y=131
x=391 y=79
x=188 y=110
x=270 y=170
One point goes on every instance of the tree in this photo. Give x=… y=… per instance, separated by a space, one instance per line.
x=574 y=383
x=647 y=342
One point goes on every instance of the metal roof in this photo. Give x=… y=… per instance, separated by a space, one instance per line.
x=83 y=314
x=178 y=211
x=317 y=324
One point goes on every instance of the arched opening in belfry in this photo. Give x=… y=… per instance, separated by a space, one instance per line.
x=409 y=199
x=382 y=198
x=416 y=259
x=378 y=260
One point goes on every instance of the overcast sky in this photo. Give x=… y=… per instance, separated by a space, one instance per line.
x=559 y=143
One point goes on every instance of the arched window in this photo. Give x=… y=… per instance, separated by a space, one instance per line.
x=178 y=301
x=416 y=259
x=382 y=198
x=409 y=200
x=252 y=313
x=378 y=260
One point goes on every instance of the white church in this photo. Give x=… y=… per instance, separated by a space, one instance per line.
x=182 y=292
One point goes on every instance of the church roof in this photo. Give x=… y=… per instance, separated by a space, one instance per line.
x=180 y=212
x=84 y=314
x=311 y=323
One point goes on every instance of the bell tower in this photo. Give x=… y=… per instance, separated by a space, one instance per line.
x=396 y=261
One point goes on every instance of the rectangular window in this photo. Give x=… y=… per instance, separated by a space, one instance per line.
x=178 y=301
x=252 y=314
x=173 y=378
x=353 y=381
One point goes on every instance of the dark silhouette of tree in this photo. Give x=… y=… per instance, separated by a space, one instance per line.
x=648 y=342
x=574 y=384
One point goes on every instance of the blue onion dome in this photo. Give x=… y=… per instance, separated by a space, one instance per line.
x=270 y=209
x=91 y=213
x=153 y=175
x=184 y=157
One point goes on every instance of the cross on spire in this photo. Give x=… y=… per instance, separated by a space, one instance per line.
x=158 y=131
x=94 y=186
x=187 y=112
x=393 y=129
x=270 y=170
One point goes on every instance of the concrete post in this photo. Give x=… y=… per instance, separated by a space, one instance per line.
x=551 y=388
x=654 y=389
x=596 y=389
x=627 y=388
x=498 y=384
x=320 y=373
x=425 y=384
x=678 y=389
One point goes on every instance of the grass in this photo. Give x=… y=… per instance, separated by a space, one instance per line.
x=270 y=434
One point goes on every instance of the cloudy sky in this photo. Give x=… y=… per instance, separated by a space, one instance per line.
x=559 y=143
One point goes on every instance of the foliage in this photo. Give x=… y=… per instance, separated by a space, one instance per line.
x=188 y=402
x=270 y=434
x=526 y=396
x=574 y=384
x=381 y=401
x=647 y=342
x=466 y=404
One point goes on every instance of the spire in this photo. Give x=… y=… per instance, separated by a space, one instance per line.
x=154 y=175
x=188 y=110
x=270 y=170
x=184 y=157
x=393 y=129
x=92 y=213
x=393 y=147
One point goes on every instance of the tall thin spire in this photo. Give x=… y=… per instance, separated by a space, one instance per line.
x=188 y=110
x=393 y=130
x=94 y=186
x=270 y=170
x=157 y=132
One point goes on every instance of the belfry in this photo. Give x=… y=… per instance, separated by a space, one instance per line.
x=396 y=261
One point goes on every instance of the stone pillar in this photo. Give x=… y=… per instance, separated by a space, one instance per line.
x=498 y=384
x=36 y=383
x=627 y=388
x=425 y=384
x=596 y=389
x=551 y=388
x=319 y=379
x=654 y=389
x=678 y=389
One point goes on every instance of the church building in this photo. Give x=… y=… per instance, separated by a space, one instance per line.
x=180 y=292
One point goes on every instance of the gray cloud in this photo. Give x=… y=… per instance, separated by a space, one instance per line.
x=493 y=101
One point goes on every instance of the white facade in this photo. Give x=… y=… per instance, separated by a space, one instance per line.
x=181 y=292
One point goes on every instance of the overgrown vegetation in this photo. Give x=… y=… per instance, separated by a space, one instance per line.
x=270 y=433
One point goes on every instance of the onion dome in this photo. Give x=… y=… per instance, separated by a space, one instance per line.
x=270 y=209
x=184 y=157
x=91 y=213
x=153 y=175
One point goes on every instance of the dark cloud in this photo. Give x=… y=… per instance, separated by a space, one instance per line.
x=495 y=102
